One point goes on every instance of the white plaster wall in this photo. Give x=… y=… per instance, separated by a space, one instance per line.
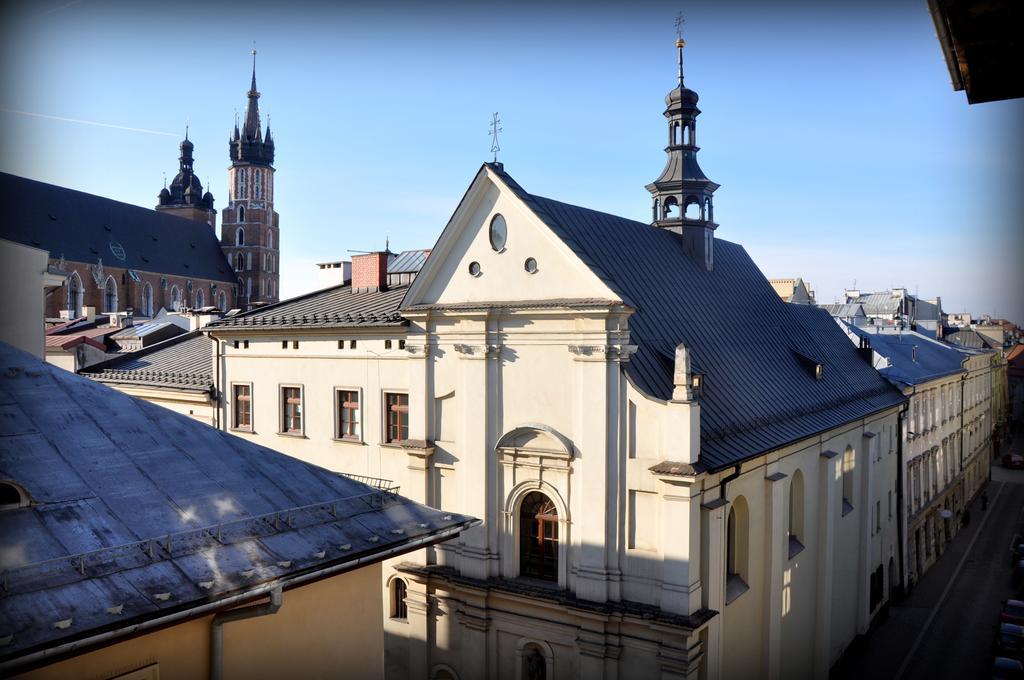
x=22 y=271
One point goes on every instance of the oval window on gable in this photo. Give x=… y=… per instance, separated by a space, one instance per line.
x=498 y=233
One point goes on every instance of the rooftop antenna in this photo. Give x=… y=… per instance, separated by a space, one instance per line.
x=495 y=147
x=187 y=121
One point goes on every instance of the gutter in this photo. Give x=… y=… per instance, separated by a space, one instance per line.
x=220 y=618
x=52 y=654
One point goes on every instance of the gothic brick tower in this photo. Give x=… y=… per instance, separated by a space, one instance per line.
x=249 y=225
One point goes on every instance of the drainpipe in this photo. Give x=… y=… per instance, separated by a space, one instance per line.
x=220 y=618
x=725 y=480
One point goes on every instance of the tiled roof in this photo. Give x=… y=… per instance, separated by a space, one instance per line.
x=183 y=362
x=914 y=357
x=754 y=349
x=140 y=513
x=82 y=227
x=335 y=307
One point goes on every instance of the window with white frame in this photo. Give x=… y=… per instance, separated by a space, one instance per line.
x=347 y=414
x=241 y=410
x=291 y=409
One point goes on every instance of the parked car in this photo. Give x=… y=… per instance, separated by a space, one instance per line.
x=1007 y=668
x=1013 y=612
x=1013 y=461
x=1010 y=641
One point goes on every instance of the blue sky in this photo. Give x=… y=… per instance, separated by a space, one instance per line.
x=842 y=150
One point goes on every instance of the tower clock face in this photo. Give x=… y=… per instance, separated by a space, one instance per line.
x=498 y=233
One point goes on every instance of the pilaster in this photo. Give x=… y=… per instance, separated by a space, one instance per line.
x=680 y=540
x=776 y=543
x=714 y=515
x=477 y=473
x=828 y=481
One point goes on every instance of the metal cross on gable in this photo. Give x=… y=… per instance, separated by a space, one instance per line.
x=495 y=147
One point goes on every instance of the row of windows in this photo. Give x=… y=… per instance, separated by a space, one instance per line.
x=243 y=262
x=342 y=344
x=347 y=412
x=260 y=183
x=76 y=298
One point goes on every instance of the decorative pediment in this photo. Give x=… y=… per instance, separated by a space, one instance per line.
x=534 y=440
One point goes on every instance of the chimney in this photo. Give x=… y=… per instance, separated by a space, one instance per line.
x=370 y=272
x=89 y=313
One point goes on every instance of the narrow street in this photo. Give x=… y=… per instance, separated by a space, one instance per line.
x=946 y=626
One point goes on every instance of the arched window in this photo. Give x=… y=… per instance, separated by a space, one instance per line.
x=796 y=514
x=200 y=299
x=241 y=215
x=677 y=138
x=240 y=237
x=535 y=666
x=248 y=261
x=671 y=203
x=110 y=295
x=75 y=296
x=398 y=593
x=175 y=299
x=270 y=239
x=239 y=262
x=737 y=550
x=693 y=211
x=686 y=134
x=248 y=288
x=256 y=183
x=849 y=461
x=222 y=301
x=147 y=300
x=538 y=537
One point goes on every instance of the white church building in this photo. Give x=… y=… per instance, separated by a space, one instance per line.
x=679 y=474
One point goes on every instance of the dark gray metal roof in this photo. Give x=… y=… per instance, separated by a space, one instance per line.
x=141 y=330
x=335 y=307
x=138 y=512
x=969 y=338
x=914 y=358
x=84 y=228
x=759 y=392
x=408 y=261
x=844 y=311
x=183 y=362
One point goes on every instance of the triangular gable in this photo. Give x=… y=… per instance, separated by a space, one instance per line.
x=446 y=277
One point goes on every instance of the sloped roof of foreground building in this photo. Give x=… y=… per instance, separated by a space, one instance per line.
x=756 y=352
x=133 y=516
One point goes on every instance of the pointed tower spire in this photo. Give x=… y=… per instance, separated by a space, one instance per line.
x=251 y=129
x=683 y=193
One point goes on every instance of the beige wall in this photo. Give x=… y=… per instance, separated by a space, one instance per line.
x=22 y=274
x=328 y=629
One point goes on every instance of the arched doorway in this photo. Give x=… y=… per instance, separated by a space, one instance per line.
x=538 y=537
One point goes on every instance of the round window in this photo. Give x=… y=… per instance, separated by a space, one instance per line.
x=530 y=265
x=499 y=232
x=474 y=269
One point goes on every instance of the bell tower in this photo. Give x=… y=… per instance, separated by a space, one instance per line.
x=185 y=197
x=249 y=224
x=682 y=195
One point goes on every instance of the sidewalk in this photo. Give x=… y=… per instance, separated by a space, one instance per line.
x=884 y=650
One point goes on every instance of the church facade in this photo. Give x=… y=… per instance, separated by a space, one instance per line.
x=673 y=466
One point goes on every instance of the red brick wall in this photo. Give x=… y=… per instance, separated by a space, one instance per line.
x=129 y=292
x=369 y=271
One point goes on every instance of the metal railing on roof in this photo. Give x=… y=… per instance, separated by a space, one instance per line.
x=97 y=562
